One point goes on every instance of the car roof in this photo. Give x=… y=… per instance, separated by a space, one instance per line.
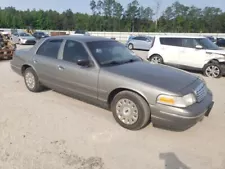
x=81 y=38
x=178 y=36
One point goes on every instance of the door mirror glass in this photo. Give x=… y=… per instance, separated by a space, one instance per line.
x=83 y=62
x=198 y=47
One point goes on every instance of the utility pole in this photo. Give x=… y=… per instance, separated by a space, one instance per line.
x=158 y=4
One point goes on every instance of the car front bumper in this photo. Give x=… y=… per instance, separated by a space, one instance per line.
x=28 y=42
x=181 y=118
x=223 y=68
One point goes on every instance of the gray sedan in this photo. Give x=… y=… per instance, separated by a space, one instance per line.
x=104 y=72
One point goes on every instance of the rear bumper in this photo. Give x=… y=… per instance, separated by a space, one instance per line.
x=16 y=69
x=181 y=119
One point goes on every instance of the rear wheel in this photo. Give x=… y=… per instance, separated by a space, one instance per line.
x=31 y=80
x=212 y=70
x=130 y=110
x=157 y=59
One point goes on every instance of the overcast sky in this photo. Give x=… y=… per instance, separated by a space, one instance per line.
x=83 y=5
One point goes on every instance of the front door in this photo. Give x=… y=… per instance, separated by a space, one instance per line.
x=189 y=55
x=81 y=80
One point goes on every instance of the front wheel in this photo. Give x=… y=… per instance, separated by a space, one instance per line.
x=212 y=70
x=130 y=110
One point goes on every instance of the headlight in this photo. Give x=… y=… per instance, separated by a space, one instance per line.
x=175 y=101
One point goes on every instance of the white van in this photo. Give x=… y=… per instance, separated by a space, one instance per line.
x=188 y=52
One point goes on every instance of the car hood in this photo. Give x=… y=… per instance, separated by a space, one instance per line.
x=220 y=52
x=28 y=37
x=165 y=77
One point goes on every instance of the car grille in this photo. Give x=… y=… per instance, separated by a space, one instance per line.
x=201 y=92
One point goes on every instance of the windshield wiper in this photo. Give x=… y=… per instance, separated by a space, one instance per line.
x=115 y=62
x=130 y=60
x=112 y=62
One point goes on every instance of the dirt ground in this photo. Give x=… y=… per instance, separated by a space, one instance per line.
x=52 y=131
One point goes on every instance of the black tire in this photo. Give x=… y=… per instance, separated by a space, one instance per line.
x=158 y=57
x=143 y=110
x=209 y=66
x=37 y=87
x=130 y=46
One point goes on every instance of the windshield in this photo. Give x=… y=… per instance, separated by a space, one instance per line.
x=42 y=33
x=24 y=34
x=207 y=44
x=111 y=53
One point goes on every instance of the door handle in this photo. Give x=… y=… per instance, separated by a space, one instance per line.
x=35 y=61
x=60 y=67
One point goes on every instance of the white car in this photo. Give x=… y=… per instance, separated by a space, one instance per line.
x=80 y=32
x=190 y=53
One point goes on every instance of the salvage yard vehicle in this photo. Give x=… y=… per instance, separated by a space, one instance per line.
x=139 y=42
x=190 y=53
x=104 y=72
x=23 y=38
x=7 y=47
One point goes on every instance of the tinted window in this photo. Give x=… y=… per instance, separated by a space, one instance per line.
x=207 y=44
x=140 y=38
x=24 y=34
x=80 y=31
x=171 y=41
x=73 y=51
x=106 y=52
x=50 y=48
x=189 y=42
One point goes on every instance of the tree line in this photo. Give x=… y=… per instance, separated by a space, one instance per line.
x=110 y=15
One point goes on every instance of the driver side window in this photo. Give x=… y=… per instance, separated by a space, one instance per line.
x=73 y=51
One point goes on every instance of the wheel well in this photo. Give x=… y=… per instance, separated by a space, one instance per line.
x=154 y=55
x=24 y=67
x=118 y=90
x=213 y=61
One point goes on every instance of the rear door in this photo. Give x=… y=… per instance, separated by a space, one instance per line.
x=170 y=47
x=46 y=62
x=141 y=42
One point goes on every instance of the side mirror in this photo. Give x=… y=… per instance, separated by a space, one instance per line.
x=198 y=47
x=83 y=62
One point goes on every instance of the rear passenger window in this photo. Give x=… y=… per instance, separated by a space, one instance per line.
x=140 y=38
x=171 y=41
x=50 y=48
